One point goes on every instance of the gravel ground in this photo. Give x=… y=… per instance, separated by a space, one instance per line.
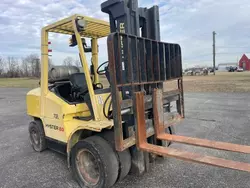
x=217 y=116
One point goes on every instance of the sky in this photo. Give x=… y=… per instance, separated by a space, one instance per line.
x=189 y=23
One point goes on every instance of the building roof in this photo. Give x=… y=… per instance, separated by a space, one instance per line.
x=248 y=55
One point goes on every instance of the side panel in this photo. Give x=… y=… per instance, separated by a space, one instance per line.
x=58 y=119
x=53 y=118
x=58 y=113
x=103 y=102
x=54 y=129
x=33 y=102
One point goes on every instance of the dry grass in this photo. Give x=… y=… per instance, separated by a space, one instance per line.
x=19 y=82
x=221 y=82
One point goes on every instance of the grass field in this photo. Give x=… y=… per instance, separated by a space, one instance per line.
x=19 y=82
x=221 y=82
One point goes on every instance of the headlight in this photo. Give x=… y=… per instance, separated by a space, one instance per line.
x=81 y=24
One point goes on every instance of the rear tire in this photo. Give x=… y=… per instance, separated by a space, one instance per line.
x=94 y=163
x=37 y=136
x=124 y=157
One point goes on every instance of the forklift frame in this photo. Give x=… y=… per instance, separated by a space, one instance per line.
x=140 y=65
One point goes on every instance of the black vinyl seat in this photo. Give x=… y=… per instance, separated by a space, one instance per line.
x=79 y=85
x=79 y=92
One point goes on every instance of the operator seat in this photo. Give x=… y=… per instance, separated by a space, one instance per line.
x=79 y=85
x=80 y=92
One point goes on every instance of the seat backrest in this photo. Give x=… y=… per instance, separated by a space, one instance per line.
x=79 y=83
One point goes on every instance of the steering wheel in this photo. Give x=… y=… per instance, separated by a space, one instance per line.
x=102 y=72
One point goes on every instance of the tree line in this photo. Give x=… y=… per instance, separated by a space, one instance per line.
x=29 y=66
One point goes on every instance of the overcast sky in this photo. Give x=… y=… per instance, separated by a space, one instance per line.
x=187 y=22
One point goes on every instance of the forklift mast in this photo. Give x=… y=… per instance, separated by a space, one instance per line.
x=126 y=17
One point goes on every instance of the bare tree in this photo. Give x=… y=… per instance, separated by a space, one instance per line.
x=1 y=66
x=37 y=68
x=12 y=65
x=68 y=61
x=29 y=66
x=33 y=64
x=18 y=70
x=25 y=68
x=77 y=63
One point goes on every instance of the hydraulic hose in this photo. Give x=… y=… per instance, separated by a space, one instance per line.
x=108 y=116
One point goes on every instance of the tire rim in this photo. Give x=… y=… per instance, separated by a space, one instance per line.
x=88 y=167
x=35 y=137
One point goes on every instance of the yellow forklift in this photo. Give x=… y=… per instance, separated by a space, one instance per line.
x=110 y=132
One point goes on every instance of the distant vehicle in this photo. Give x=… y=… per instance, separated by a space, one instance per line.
x=205 y=71
x=189 y=72
x=232 y=69
x=239 y=69
x=211 y=70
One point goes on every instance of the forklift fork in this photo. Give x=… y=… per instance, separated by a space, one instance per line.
x=159 y=126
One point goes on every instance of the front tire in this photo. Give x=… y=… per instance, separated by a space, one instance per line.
x=94 y=163
x=37 y=136
x=124 y=157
